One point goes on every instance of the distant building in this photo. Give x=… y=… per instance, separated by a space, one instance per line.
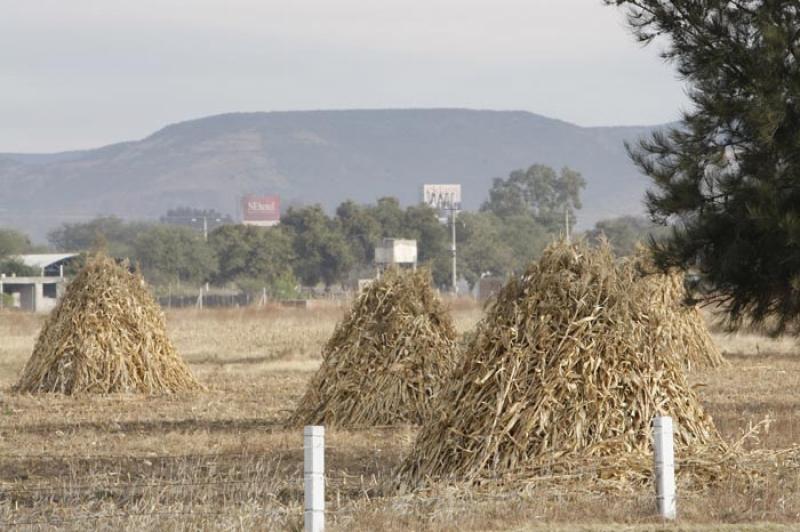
x=48 y=264
x=37 y=293
x=396 y=251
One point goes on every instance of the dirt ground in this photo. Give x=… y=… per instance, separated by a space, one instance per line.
x=222 y=458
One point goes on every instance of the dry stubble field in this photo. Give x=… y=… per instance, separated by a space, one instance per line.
x=222 y=458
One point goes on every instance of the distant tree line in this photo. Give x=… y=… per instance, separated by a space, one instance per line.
x=625 y=233
x=521 y=215
x=199 y=219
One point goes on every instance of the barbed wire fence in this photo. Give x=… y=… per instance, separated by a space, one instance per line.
x=269 y=490
x=274 y=495
x=268 y=505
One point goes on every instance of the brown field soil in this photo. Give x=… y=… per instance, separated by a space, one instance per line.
x=222 y=459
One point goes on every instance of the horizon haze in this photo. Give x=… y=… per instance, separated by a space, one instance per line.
x=83 y=74
x=311 y=157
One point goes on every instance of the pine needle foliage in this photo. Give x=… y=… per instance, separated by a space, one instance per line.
x=727 y=177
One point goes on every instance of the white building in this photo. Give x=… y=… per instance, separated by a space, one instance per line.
x=396 y=251
x=37 y=293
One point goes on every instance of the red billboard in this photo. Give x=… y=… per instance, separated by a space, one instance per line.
x=261 y=210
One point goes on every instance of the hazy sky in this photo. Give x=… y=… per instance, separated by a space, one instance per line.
x=82 y=73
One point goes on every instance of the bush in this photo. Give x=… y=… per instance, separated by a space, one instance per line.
x=6 y=300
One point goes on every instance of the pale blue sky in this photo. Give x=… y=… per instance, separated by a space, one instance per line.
x=83 y=73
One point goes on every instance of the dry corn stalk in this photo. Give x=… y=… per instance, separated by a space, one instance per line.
x=106 y=335
x=386 y=360
x=563 y=370
x=679 y=325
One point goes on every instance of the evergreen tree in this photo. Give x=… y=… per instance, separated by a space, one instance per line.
x=727 y=178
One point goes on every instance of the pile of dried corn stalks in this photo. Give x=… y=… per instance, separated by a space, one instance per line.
x=386 y=360
x=563 y=375
x=677 y=324
x=107 y=335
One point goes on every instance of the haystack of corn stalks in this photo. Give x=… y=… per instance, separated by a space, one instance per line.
x=386 y=360
x=563 y=373
x=676 y=323
x=106 y=335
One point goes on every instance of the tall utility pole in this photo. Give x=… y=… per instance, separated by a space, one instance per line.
x=205 y=225
x=453 y=213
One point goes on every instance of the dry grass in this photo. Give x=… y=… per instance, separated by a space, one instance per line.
x=222 y=460
x=747 y=343
x=249 y=335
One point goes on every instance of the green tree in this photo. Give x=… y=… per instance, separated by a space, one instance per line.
x=364 y=226
x=196 y=218
x=166 y=253
x=390 y=217
x=321 y=251
x=527 y=239
x=539 y=192
x=13 y=242
x=727 y=178
x=14 y=266
x=625 y=233
x=481 y=247
x=254 y=257
x=490 y=245
x=422 y=224
x=362 y=230
x=116 y=234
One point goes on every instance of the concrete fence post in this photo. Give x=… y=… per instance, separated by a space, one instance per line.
x=664 y=454
x=38 y=297
x=314 y=478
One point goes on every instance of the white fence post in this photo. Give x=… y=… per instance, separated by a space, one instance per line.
x=665 y=467
x=314 y=477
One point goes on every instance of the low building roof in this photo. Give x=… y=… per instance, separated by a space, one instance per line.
x=43 y=260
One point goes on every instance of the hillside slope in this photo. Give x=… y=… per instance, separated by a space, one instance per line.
x=314 y=156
